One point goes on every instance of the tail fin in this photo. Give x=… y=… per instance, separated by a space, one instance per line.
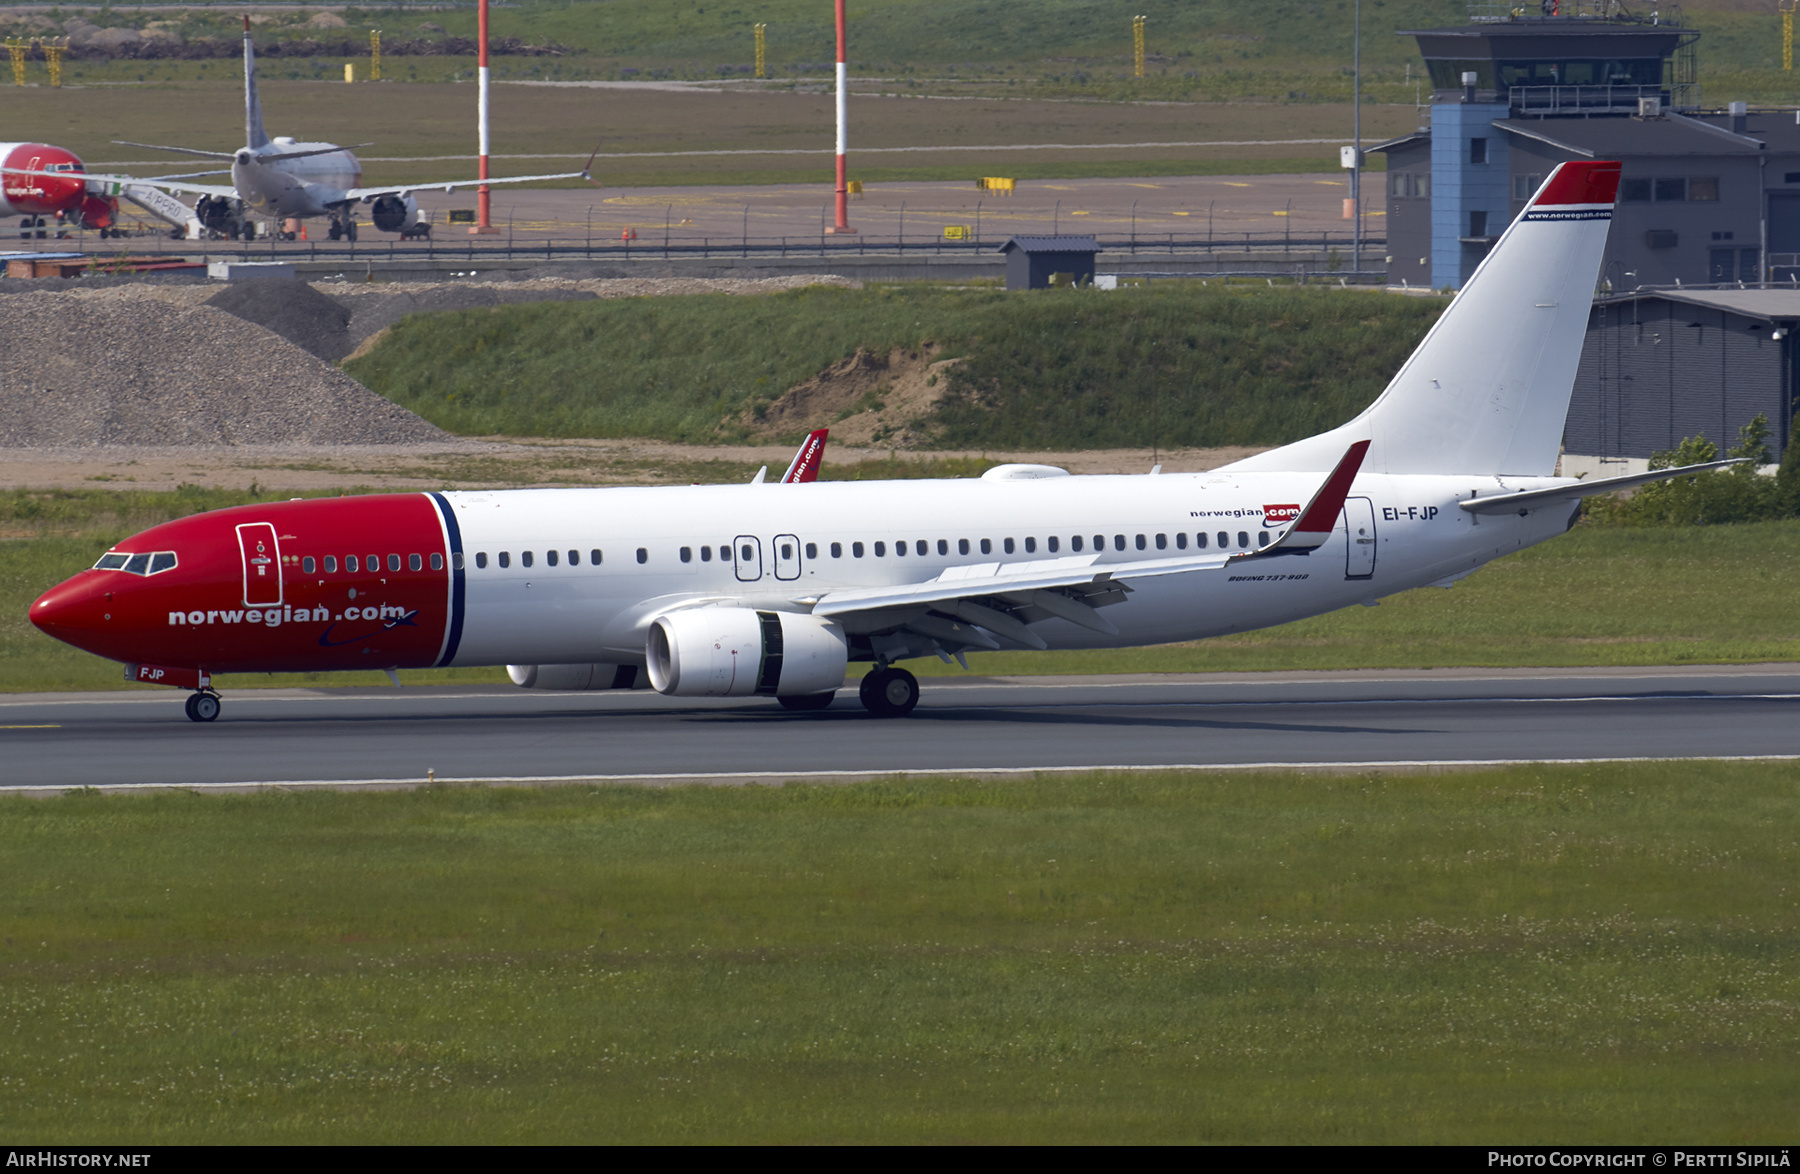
x=1487 y=392
x=805 y=466
x=254 y=136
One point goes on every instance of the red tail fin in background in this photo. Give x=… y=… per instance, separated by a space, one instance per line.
x=808 y=459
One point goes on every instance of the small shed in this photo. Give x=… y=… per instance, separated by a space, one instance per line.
x=1031 y=261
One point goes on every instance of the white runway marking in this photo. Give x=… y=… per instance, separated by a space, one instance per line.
x=743 y=778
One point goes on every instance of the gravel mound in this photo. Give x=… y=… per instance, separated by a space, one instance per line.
x=114 y=370
x=316 y=323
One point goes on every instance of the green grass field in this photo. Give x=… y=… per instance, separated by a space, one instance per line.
x=1288 y=50
x=1176 y=364
x=1597 y=596
x=1568 y=955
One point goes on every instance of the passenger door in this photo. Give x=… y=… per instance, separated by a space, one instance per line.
x=262 y=564
x=1359 y=535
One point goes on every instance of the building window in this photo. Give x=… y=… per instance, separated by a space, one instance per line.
x=1634 y=191
x=1478 y=223
x=1705 y=189
x=1525 y=185
x=1478 y=150
x=1671 y=191
x=1409 y=186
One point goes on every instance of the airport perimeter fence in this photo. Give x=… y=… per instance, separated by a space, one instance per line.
x=1334 y=251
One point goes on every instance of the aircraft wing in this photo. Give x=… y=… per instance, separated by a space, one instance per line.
x=401 y=189
x=110 y=184
x=1006 y=597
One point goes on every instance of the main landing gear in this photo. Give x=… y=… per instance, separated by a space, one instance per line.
x=889 y=692
x=203 y=706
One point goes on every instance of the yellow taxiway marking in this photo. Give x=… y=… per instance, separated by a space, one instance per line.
x=57 y=727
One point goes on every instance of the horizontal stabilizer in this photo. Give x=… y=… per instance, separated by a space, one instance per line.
x=1530 y=499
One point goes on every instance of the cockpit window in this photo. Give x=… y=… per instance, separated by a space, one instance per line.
x=147 y=563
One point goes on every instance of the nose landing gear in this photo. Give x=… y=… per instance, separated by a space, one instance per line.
x=889 y=692
x=203 y=706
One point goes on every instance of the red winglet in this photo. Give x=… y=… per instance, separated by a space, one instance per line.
x=1584 y=182
x=1321 y=513
x=808 y=459
x=1319 y=518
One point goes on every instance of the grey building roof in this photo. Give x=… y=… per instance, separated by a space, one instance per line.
x=1611 y=138
x=1051 y=244
x=1418 y=136
x=1766 y=304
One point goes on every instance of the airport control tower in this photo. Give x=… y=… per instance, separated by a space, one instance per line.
x=1517 y=89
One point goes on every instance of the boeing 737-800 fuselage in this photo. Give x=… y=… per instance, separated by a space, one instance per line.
x=775 y=589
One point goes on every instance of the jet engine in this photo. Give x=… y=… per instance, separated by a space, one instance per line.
x=736 y=652
x=221 y=214
x=395 y=213
x=579 y=677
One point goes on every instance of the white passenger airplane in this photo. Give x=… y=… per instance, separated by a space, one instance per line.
x=288 y=180
x=747 y=590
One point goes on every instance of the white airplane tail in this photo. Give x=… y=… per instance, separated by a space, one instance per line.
x=1487 y=392
x=255 y=137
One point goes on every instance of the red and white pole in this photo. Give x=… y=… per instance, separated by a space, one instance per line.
x=843 y=119
x=483 y=204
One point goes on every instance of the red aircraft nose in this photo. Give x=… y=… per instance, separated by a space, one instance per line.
x=76 y=611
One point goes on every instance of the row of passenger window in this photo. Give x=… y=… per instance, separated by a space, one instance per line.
x=921 y=547
x=353 y=565
x=551 y=558
x=1052 y=545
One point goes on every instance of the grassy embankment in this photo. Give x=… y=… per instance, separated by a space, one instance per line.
x=1598 y=596
x=1590 y=955
x=1211 y=50
x=1178 y=364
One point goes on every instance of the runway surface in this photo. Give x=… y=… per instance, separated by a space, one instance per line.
x=404 y=737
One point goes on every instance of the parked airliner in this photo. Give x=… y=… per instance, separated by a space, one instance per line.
x=285 y=179
x=774 y=590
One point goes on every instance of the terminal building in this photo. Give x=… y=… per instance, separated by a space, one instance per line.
x=1707 y=198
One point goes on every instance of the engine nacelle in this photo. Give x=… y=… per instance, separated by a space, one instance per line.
x=737 y=652
x=220 y=214
x=395 y=213
x=578 y=677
